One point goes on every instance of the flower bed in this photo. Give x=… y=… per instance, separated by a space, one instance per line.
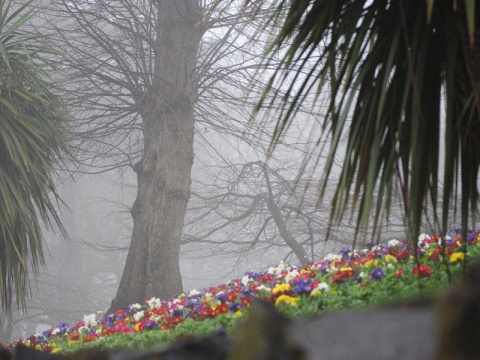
x=357 y=278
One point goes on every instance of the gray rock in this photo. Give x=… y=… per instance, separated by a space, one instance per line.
x=388 y=334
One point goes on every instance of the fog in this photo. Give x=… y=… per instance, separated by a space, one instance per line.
x=246 y=210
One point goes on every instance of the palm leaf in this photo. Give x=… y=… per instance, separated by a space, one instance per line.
x=390 y=67
x=33 y=132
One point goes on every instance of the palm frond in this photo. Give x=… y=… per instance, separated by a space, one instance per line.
x=389 y=67
x=33 y=134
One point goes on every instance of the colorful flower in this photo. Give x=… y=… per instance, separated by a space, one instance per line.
x=377 y=274
x=455 y=257
x=422 y=270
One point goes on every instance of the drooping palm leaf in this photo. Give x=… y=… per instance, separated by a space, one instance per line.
x=390 y=68
x=32 y=136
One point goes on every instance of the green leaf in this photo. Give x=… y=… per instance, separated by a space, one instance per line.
x=8 y=105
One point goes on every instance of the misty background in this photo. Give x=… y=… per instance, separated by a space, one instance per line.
x=247 y=211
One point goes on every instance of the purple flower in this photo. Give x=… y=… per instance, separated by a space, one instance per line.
x=377 y=274
x=177 y=312
x=302 y=287
x=150 y=324
x=234 y=307
x=63 y=327
x=221 y=297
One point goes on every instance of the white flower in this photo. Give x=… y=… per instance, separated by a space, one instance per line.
x=273 y=270
x=291 y=275
x=361 y=275
x=445 y=238
x=394 y=242
x=376 y=247
x=154 y=303
x=262 y=287
x=278 y=270
x=390 y=266
x=323 y=286
x=90 y=320
x=193 y=292
x=55 y=331
x=423 y=237
x=246 y=280
x=135 y=307
x=139 y=315
x=332 y=257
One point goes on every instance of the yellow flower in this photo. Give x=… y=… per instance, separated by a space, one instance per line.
x=182 y=296
x=280 y=288
x=315 y=292
x=456 y=257
x=371 y=262
x=389 y=257
x=303 y=271
x=238 y=313
x=286 y=299
x=38 y=347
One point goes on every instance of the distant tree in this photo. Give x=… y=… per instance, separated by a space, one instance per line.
x=266 y=210
x=33 y=136
x=391 y=67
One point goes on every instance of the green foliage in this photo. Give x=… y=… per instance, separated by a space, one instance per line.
x=33 y=134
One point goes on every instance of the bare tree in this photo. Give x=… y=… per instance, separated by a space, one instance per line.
x=141 y=72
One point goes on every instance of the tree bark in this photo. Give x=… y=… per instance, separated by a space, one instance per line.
x=164 y=172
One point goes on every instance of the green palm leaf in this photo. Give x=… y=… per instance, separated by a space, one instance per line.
x=33 y=134
x=390 y=68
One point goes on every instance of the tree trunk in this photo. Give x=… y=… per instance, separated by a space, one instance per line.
x=164 y=172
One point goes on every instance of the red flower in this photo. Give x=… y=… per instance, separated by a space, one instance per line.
x=107 y=331
x=230 y=297
x=398 y=273
x=74 y=336
x=205 y=311
x=435 y=255
x=391 y=251
x=222 y=308
x=339 y=277
x=88 y=338
x=422 y=270
x=346 y=271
